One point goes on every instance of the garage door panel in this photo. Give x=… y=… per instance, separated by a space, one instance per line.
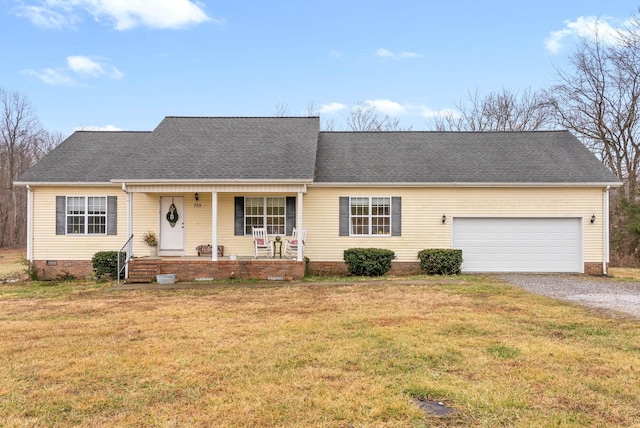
x=519 y=244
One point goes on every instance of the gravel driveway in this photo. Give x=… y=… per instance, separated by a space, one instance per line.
x=598 y=292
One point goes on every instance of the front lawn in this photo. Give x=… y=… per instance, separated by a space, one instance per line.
x=320 y=355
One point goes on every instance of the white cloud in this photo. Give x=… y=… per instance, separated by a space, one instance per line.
x=123 y=14
x=46 y=17
x=331 y=107
x=394 y=109
x=98 y=128
x=385 y=53
x=583 y=27
x=78 y=66
x=447 y=112
x=51 y=76
x=388 y=107
x=83 y=65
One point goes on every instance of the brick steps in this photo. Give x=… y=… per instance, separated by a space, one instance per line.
x=143 y=271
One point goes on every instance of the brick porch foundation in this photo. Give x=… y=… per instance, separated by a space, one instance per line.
x=189 y=270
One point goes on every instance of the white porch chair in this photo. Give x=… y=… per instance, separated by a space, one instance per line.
x=298 y=237
x=261 y=242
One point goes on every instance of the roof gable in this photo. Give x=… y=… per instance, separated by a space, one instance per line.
x=233 y=148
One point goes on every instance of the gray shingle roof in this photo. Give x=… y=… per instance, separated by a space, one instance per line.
x=457 y=157
x=188 y=148
x=86 y=157
x=274 y=148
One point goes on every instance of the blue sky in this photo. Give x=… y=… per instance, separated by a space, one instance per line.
x=125 y=64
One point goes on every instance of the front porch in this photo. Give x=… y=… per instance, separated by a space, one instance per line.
x=193 y=268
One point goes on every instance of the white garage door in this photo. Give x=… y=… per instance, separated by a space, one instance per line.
x=519 y=244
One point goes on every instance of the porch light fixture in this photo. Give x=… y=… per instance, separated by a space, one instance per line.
x=196 y=196
x=593 y=219
x=444 y=219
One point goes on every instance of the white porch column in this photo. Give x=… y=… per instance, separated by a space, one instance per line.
x=299 y=226
x=214 y=226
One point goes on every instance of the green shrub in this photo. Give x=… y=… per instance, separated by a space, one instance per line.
x=368 y=261
x=437 y=261
x=107 y=262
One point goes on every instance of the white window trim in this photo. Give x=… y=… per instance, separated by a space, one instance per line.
x=370 y=217
x=86 y=215
x=264 y=213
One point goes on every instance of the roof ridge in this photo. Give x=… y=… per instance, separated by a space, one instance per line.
x=242 y=117
x=445 y=132
x=112 y=131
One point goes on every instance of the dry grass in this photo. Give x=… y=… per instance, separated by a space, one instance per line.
x=324 y=355
x=11 y=263
x=625 y=274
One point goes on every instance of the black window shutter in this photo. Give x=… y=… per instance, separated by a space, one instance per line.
x=112 y=215
x=61 y=211
x=290 y=208
x=239 y=216
x=344 y=216
x=396 y=216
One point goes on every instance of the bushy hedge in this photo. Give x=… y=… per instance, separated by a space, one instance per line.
x=438 y=261
x=368 y=261
x=107 y=262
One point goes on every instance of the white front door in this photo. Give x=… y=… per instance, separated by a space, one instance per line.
x=171 y=226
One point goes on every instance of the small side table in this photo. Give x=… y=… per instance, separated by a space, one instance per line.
x=277 y=247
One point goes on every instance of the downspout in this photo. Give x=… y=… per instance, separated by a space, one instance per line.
x=129 y=227
x=605 y=230
x=30 y=226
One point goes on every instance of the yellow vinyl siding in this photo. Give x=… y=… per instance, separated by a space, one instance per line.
x=146 y=214
x=422 y=210
x=49 y=246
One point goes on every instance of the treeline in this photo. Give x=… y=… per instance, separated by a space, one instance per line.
x=23 y=141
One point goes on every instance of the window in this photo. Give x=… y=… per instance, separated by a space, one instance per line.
x=267 y=212
x=370 y=216
x=86 y=215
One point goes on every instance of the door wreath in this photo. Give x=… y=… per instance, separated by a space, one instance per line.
x=172 y=215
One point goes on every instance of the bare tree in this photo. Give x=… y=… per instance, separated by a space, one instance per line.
x=325 y=124
x=282 y=110
x=364 y=117
x=599 y=99
x=498 y=111
x=22 y=142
